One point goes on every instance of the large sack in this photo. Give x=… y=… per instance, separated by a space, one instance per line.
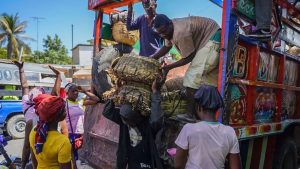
x=174 y=103
x=294 y=51
x=174 y=99
x=102 y=63
x=174 y=84
x=122 y=35
x=136 y=69
x=135 y=94
x=115 y=17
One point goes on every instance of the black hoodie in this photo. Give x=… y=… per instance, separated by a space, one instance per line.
x=144 y=155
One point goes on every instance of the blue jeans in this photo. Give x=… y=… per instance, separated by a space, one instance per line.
x=263 y=12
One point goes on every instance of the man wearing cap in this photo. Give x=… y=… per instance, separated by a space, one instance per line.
x=197 y=39
x=137 y=148
x=150 y=41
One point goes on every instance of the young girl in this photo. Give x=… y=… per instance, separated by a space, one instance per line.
x=206 y=144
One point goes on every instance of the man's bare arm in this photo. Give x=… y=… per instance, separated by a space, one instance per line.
x=162 y=52
x=181 y=158
x=235 y=161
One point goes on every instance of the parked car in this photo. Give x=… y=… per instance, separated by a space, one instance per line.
x=12 y=120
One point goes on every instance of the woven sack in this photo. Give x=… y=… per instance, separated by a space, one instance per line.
x=122 y=35
x=133 y=68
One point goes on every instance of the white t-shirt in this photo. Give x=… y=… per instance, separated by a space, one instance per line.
x=208 y=144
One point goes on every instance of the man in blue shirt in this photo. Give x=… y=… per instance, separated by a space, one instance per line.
x=150 y=41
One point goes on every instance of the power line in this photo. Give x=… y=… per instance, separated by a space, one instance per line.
x=72 y=27
x=37 y=19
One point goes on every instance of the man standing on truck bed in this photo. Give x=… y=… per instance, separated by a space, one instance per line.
x=197 y=40
x=150 y=41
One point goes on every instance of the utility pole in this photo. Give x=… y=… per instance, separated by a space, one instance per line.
x=37 y=19
x=72 y=34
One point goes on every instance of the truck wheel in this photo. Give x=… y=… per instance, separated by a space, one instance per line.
x=15 y=126
x=286 y=156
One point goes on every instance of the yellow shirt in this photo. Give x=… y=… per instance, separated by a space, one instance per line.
x=56 y=150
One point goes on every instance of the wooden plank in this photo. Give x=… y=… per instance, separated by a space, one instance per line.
x=263 y=152
x=249 y=154
x=263 y=84
x=292 y=10
x=257 y=146
x=279 y=95
x=251 y=90
x=116 y=5
x=270 y=152
x=292 y=25
x=97 y=35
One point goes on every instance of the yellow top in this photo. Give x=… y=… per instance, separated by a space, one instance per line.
x=56 y=150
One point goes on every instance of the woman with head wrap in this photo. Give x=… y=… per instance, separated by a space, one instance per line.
x=29 y=107
x=50 y=148
x=208 y=136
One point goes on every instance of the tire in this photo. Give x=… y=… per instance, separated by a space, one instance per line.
x=15 y=126
x=286 y=155
x=101 y=62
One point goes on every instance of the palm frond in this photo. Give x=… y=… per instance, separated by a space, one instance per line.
x=24 y=37
x=13 y=31
x=20 y=28
x=5 y=25
x=23 y=44
x=2 y=37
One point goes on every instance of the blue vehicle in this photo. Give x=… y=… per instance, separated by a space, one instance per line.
x=12 y=119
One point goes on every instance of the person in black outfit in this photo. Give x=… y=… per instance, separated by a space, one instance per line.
x=137 y=148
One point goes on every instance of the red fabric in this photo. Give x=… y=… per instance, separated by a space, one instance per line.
x=37 y=100
x=49 y=107
x=62 y=93
x=78 y=143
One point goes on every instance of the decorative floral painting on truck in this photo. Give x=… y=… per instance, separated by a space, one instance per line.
x=288 y=105
x=268 y=67
x=238 y=104
x=240 y=62
x=291 y=73
x=265 y=105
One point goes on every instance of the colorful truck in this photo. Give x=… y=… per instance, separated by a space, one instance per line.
x=258 y=81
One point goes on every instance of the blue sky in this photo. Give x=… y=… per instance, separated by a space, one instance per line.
x=59 y=15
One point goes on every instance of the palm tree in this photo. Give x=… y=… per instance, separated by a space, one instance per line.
x=12 y=34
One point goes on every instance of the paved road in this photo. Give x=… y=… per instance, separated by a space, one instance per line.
x=14 y=148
